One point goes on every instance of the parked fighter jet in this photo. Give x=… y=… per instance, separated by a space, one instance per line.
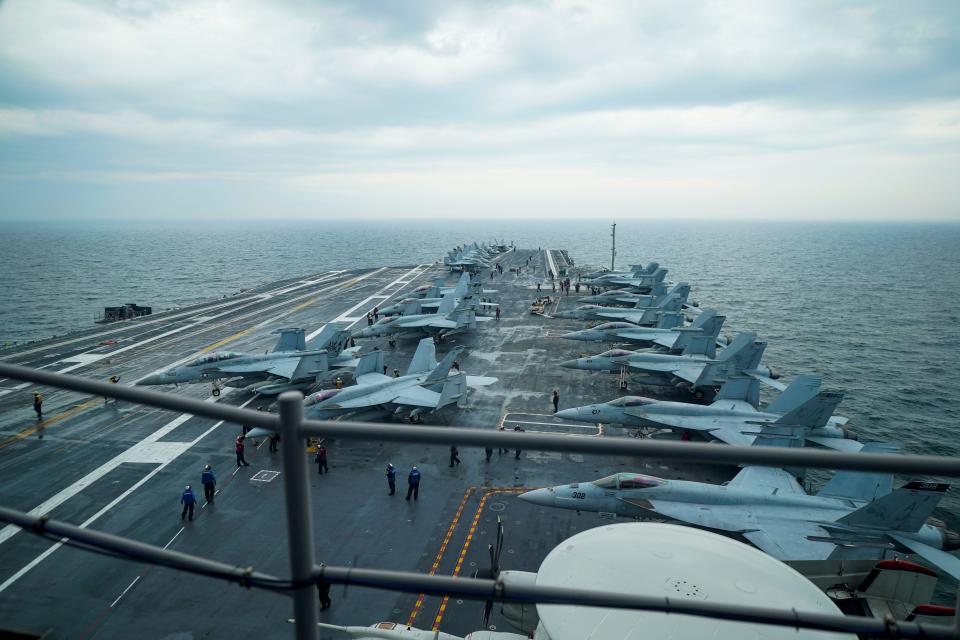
x=599 y=278
x=433 y=295
x=732 y=417
x=669 y=332
x=599 y=312
x=450 y=318
x=640 y=283
x=855 y=515
x=696 y=368
x=397 y=631
x=625 y=297
x=425 y=386
x=645 y=316
x=289 y=366
x=471 y=259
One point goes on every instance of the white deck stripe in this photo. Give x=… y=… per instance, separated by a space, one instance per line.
x=551 y=263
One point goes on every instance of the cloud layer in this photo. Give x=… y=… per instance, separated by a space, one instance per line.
x=749 y=109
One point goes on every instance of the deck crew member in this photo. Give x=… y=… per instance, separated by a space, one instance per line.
x=517 y=452
x=454 y=455
x=240 y=446
x=323 y=590
x=274 y=441
x=339 y=382
x=391 y=478
x=376 y=313
x=38 y=404
x=113 y=380
x=501 y=449
x=489 y=452
x=321 y=460
x=498 y=312
x=556 y=400
x=209 y=483
x=187 y=500
x=413 y=484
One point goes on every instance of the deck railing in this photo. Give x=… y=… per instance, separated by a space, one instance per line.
x=305 y=574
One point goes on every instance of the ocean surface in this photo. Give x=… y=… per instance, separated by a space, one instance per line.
x=873 y=308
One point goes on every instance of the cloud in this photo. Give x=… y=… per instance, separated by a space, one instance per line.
x=626 y=98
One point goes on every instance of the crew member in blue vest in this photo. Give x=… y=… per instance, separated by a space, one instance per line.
x=187 y=500
x=413 y=484
x=392 y=478
x=209 y=483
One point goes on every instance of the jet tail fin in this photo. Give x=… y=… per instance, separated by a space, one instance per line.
x=424 y=358
x=815 y=412
x=904 y=509
x=291 y=339
x=310 y=365
x=797 y=392
x=861 y=485
x=371 y=362
x=441 y=370
x=454 y=391
x=447 y=304
x=669 y=320
x=740 y=388
x=700 y=345
x=681 y=290
x=741 y=343
x=462 y=285
x=329 y=337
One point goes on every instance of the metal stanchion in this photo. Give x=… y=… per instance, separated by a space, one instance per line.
x=299 y=519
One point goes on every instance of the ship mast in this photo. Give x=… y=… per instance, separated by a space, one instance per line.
x=613 y=247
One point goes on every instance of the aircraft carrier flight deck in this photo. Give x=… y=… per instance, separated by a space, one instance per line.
x=121 y=468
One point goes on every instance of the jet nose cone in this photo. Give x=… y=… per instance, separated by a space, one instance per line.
x=570 y=364
x=154 y=379
x=568 y=414
x=542 y=497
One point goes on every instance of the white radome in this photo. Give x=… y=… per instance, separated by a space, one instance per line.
x=665 y=560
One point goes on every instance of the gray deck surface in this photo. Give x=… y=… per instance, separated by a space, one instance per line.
x=121 y=468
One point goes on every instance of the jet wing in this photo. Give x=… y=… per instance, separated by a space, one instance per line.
x=840 y=444
x=729 y=430
x=414 y=395
x=770 y=382
x=430 y=322
x=480 y=381
x=790 y=540
x=665 y=340
x=769 y=480
x=283 y=368
x=689 y=371
x=371 y=378
x=940 y=559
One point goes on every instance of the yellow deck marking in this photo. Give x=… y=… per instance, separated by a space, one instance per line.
x=439 y=556
x=43 y=424
x=466 y=543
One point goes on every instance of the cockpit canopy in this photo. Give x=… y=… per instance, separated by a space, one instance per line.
x=628 y=481
x=616 y=353
x=212 y=358
x=616 y=325
x=631 y=401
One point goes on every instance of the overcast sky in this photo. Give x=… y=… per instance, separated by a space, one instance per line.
x=812 y=110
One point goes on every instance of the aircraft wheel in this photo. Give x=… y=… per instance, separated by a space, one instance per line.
x=216 y=393
x=698 y=394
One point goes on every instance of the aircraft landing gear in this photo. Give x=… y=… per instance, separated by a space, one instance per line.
x=215 y=391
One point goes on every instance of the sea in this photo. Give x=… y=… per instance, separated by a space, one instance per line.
x=872 y=308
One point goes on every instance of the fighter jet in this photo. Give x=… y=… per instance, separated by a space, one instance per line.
x=669 y=332
x=695 y=369
x=470 y=259
x=450 y=318
x=397 y=631
x=640 y=284
x=599 y=312
x=289 y=366
x=599 y=278
x=855 y=515
x=642 y=316
x=431 y=297
x=625 y=297
x=426 y=386
x=732 y=417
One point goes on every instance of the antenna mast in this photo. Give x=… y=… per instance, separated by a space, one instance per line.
x=613 y=247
